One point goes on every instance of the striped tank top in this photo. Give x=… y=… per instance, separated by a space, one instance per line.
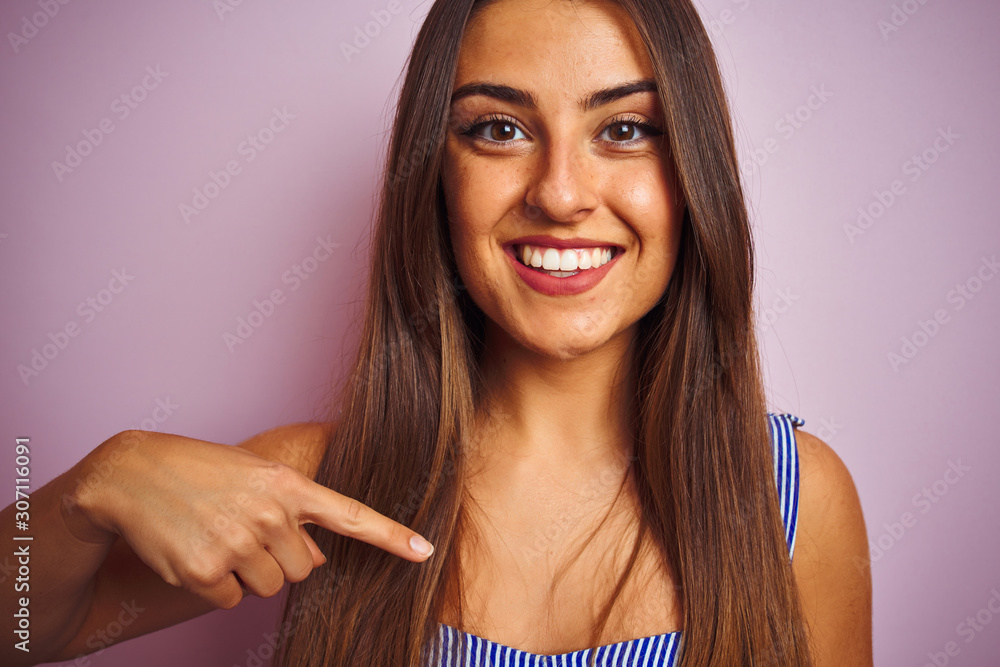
x=456 y=648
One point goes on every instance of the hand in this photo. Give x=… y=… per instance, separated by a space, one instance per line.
x=207 y=517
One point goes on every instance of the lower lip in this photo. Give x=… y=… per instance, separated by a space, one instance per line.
x=552 y=286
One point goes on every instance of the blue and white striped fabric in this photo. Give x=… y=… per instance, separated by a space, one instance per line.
x=456 y=648
x=786 y=471
x=645 y=652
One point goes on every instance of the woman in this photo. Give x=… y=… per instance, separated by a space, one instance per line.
x=557 y=386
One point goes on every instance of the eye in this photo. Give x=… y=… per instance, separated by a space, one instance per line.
x=498 y=129
x=628 y=131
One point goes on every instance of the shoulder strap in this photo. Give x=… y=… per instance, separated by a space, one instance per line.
x=786 y=470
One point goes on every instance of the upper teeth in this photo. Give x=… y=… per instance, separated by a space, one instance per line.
x=570 y=259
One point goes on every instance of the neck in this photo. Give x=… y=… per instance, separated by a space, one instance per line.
x=552 y=413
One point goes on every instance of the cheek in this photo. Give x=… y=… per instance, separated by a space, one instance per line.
x=471 y=219
x=462 y=190
x=478 y=197
x=461 y=220
x=648 y=204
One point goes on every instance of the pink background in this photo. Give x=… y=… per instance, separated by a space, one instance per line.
x=833 y=305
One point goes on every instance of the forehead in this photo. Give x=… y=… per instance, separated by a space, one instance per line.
x=574 y=47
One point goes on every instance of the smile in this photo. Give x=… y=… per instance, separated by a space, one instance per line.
x=563 y=263
x=574 y=267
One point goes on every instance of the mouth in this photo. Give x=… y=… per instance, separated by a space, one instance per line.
x=563 y=262
x=561 y=267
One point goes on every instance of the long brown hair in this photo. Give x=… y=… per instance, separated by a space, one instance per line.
x=702 y=468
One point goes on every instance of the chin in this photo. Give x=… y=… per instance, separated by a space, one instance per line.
x=568 y=344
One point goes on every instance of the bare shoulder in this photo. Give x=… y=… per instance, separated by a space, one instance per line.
x=831 y=562
x=825 y=481
x=299 y=445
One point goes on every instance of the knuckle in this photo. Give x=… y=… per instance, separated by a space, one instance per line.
x=172 y=579
x=278 y=476
x=270 y=518
x=300 y=573
x=240 y=541
x=272 y=588
x=205 y=572
x=354 y=514
x=229 y=598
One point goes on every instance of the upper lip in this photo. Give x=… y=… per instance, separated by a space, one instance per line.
x=561 y=244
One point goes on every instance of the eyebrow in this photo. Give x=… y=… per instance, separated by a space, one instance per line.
x=525 y=99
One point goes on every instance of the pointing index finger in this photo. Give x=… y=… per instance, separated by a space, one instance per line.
x=352 y=518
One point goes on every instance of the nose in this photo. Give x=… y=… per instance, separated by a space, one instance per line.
x=563 y=183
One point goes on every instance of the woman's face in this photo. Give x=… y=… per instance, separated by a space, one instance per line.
x=563 y=211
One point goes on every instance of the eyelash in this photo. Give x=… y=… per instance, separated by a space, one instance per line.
x=473 y=127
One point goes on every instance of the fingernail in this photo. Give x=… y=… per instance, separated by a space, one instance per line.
x=421 y=546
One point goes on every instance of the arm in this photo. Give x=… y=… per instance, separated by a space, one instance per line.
x=105 y=552
x=831 y=562
x=126 y=590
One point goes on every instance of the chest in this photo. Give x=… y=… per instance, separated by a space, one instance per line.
x=538 y=572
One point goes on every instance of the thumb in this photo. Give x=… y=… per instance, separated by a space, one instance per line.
x=317 y=555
